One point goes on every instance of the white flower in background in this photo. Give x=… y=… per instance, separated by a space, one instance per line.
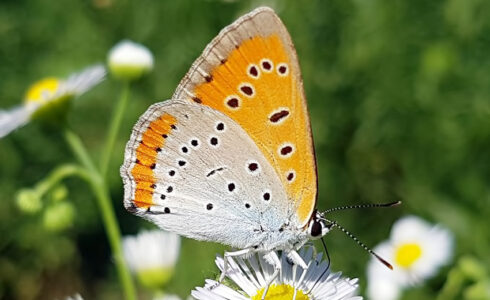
x=170 y=297
x=49 y=98
x=167 y=297
x=129 y=61
x=250 y=275
x=416 y=249
x=152 y=255
x=74 y=297
x=382 y=287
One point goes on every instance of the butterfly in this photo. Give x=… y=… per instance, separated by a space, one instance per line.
x=230 y=157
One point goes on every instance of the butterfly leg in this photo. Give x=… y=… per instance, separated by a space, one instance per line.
x=297 y=261
x=227 y=255
x=272 y=259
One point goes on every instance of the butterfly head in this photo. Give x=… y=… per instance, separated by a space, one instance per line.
x=318 y=226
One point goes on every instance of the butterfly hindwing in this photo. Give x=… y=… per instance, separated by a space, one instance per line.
x=250 y=73
x=192 y=170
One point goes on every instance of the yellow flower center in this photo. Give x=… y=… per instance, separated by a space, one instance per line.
x=42 y=89
x=280 y=292
x=407 y=254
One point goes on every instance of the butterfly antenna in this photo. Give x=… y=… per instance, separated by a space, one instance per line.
x=362 y=206
x=383 y=261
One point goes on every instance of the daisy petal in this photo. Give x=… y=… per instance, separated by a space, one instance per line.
x=83 y=81
x=15 y=118
x=316 y=282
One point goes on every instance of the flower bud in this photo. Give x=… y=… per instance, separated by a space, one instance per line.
x=129 y=61
x=59 y=216
x=28 y=201
x=154 y=278
x=152 y=255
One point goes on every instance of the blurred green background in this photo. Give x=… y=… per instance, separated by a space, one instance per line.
x=399 y=96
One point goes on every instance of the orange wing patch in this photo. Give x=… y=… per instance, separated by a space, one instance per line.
x=152 y=142
x=257 y=87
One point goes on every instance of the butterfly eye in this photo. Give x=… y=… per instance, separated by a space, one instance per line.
x=316 y=229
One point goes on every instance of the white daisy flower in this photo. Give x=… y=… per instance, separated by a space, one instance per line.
x=250 y=275
x=152 y=255
x=416 y=249
x=49 y=98
x=129 y=61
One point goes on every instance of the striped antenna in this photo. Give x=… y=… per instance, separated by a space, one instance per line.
x=371 y=205
x=383 y=261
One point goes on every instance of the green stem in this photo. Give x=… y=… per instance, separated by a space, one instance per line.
x=101 y=192
x=114 y=129
x=453 y=284
x=57 y=175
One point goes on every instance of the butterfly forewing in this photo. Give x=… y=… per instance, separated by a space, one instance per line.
x=194 y=171
x=250 y=73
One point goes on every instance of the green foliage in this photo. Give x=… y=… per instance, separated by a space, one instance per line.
x=399 y=97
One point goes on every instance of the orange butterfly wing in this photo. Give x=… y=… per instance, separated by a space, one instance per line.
x=250 y=72
x=147 y=148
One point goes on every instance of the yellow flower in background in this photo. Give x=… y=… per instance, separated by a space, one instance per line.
x=416 y=249
x=49 y=99
x=250 y=275
x=129 y=61
x=152 y=256
x=43 y=89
